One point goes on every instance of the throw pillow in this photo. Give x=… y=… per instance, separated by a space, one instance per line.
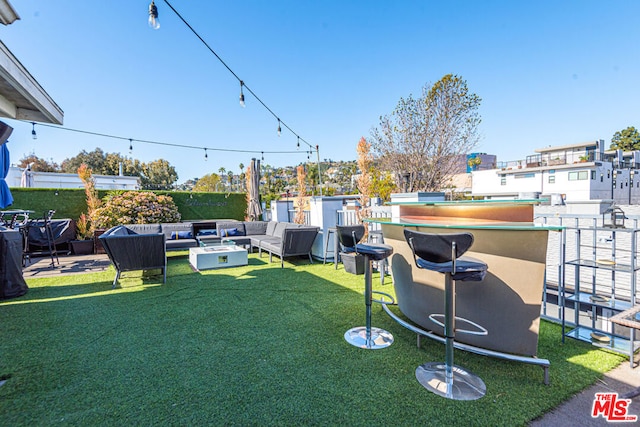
x=226 y=232
x=181 y=235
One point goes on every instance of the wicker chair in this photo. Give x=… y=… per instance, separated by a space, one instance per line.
x=129 y=251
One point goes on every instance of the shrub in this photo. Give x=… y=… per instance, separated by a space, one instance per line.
x=135 y=207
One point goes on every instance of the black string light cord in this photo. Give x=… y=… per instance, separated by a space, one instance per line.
x=166 y=144
x=242 y=83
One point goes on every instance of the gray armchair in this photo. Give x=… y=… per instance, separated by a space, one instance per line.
x=129 y=251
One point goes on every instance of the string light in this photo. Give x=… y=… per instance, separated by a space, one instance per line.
x=241 y=94
x=153 y=12
x=153 y=16
x=206 y=156
x=166 y=144
x=33 y=131
x=262 y=155
x=298 y=144
x=130 y=145
x=279 y=128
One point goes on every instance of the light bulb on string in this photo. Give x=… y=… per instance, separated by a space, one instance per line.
x=298 y=144
x=262 y=155
x=130 y=145
x=279 y=128
x=33 y=131
x=241 y=94
x=153 y=16
x=206 y=156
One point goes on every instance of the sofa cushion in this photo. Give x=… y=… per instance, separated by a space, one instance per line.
x=119 y=230
x=271 y=228
x=226 y=225
x=169 y=228
x=145 y=228
x=255 y=227
x=181 y=244
x=278 y=232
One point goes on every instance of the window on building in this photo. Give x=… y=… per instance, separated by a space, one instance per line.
x=503 y=180
x=578 y=175
x=593 y=175
x=552 y=179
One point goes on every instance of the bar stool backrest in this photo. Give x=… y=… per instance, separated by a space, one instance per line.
x=350 y=235
x=438 y=247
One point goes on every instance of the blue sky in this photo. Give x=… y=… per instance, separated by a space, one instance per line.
x=548 y=72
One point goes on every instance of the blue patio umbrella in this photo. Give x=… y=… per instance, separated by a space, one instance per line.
x=6 y=198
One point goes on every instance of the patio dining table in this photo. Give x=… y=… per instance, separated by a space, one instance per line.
x=9 y=217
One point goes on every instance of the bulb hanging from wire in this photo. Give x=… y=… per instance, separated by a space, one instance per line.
x=241 y=94
x=130 y=145
x=206 y=156
x=153 y=16
x=298 y=144
x=279 y=128
x=33 y=131
x=262 y=155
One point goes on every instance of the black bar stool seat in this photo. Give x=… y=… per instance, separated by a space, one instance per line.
x=367 y=337
x=375 y=251
x=443 y=253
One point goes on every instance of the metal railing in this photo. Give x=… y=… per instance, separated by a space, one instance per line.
x=350 y=217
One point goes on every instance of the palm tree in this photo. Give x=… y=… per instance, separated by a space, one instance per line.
x=230 y=175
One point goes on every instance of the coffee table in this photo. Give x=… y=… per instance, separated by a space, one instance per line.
x=217 y=255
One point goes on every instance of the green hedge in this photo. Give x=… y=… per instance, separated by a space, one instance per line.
x=71 y=202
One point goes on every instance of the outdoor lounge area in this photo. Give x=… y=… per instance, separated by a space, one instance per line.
x=249 y=345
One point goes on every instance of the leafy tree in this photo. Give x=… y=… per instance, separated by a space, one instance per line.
x=423 y=136
x=207 y=184
x=158 y=175
x=383 y=184
x=38 y=164
x=627 y=139
x=95 y=160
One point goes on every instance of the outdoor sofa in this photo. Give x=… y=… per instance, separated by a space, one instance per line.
x=283 y=239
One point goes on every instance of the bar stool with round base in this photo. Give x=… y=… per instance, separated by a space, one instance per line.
x=368 y=337
x=443 y=253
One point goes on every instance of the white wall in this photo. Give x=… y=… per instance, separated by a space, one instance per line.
x=71 y=180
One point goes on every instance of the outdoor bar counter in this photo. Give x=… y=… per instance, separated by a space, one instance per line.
x=508 y=301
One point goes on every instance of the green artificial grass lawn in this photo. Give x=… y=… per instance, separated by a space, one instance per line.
x=253 y=345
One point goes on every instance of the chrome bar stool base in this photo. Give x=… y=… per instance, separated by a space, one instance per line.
x=378 y=338
x=463 y=385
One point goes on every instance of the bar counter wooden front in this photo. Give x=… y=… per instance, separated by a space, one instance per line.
x=508 y=301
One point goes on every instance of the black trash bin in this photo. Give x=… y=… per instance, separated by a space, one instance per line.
x=12 y=282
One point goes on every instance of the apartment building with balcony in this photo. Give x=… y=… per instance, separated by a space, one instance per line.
x=575 y=172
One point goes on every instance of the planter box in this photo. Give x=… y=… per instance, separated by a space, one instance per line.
x=81 y=247
x=97 y=244
x=353 y=263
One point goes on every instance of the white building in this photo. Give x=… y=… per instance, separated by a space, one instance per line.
x=71 y=180
x=576 y=172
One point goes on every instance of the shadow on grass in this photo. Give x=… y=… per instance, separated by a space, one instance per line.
x=252 y=345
